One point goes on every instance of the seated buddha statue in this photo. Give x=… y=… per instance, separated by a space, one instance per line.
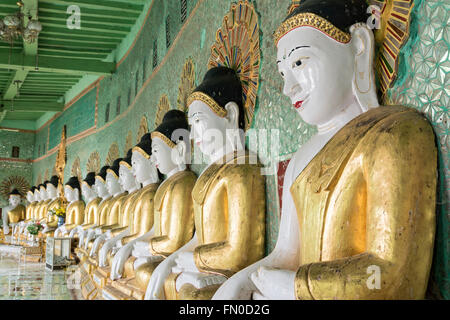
x=91 y=210
x=31 y=204
x=14 y=212
x=75 y=208
x=103 y=208
x=173 y=208
x=129 y=183
x=228 y=197
x=119 y=196
x=29 y=212
x=51 y=222
x=142 y=220
x=359 y=197
x=41 y=214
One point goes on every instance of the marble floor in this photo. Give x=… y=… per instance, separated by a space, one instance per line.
x=32 y=281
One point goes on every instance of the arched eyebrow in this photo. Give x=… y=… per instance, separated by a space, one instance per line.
x=296 y=49
x=299 y=47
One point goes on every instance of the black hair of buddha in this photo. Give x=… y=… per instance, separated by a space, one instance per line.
x=39 y=186
x=341 y=13
x=54 y=180
x=15 y=192
x=32 y=189
x=116 y=166
x=102 y=173
x=146 y=144
x=173 y=120
x=90 y=179
x=127 y=158
x=223 y=85
x=74 y=183
x=45 y=183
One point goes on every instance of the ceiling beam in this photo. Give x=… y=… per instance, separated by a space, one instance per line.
x=57 y=65
x=31 y=106
x=14 y=84
x=100 y=4
x=30 y=8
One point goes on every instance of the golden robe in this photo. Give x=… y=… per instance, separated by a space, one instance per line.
x=30 y=211
x=17 y=214
x=74 y=215
x=366 y=202
x=91 y=213
x=229 y=210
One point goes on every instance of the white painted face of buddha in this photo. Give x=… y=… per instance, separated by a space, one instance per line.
x=101 y=188
x=143 y=168
x=37 y=195
x=317 y=72
x=68 y=192
x=30 y=197
x=126 y=178
x=87 y=191
x=51 y=191
x=43 y=193
x=14 y=200
x=112 y=184
x=208 y=130
x=162 y=156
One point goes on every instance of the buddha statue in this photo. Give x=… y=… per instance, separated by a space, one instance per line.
x=129 y=183
x=359 y=196
x=55 y=201
x=14 y=212
x=89 y=194
x=31 y=204
x=38 y=199
x=41 y=215
x=75 y=208
x=228 y=197
x=173 y=207
x=103 y=208
x=111 y=221
x=142 y=221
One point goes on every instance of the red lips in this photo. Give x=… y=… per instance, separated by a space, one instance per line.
x=298 y=104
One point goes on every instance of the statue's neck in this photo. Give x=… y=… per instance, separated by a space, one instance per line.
x=12 y=207
x=148 y=182
x=133 y=189
x=352 y=110
x=117 y=193
x=176 y=169
x=226 y=149
x=106 y=197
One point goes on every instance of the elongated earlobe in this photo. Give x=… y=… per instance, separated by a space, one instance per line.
x=364 y=77
x=232 y=115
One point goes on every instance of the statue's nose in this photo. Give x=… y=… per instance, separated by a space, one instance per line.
x=291 y=86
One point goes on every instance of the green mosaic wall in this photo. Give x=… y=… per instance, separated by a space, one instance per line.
x=25 y=141
x=422 y=84
x=76 y=119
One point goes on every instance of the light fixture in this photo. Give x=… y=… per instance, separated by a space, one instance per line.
x=13 y=26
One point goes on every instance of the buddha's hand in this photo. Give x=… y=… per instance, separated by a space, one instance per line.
x=185 y=263
x=141 y=249
x=273 y=284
